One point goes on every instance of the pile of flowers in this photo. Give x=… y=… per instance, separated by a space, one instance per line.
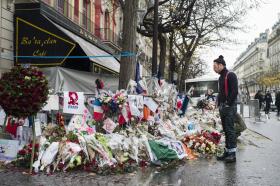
x=112 y=104
x=200 y=144
x=23 y=91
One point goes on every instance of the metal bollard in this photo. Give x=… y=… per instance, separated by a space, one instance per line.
x=254 y=110
x=242 y=109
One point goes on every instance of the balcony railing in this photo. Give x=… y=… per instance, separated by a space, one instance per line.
x=84 y=21
x=109 y=36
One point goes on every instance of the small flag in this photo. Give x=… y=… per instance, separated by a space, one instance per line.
x=97 y=110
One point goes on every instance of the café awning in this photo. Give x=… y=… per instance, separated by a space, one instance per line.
x=102 y=58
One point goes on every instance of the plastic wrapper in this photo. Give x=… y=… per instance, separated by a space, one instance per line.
x=83 y=145
x=131 y=87
x=166 y=130
x=49 y=155
x=134 y=145
x=43 y=142
x=144 y=141
x=94 y=144
x=67 y=151
x=153 y=87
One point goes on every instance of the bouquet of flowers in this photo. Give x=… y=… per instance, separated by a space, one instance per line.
x=24 y=155
x=106 y=100
x=215 y=137
x=120 y=98
x=23 y=91
x=200 y=144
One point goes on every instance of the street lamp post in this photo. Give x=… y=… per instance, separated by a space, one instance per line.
x=155 y=40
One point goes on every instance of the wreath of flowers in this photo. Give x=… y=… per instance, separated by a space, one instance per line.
x=23 y=91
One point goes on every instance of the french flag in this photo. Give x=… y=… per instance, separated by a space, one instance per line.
x=125 y=115
x=97 y=110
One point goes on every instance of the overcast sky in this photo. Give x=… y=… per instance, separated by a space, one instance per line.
x=258 y=21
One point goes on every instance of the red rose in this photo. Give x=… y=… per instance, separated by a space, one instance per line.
x=22 y=152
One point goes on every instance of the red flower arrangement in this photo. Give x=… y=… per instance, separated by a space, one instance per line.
x=23 y=91
x=24 y=155
x=213 y=136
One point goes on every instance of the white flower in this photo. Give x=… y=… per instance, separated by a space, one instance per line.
x=203 y=145
x=27 y=78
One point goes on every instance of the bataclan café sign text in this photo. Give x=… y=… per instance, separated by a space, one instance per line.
x=32 y=41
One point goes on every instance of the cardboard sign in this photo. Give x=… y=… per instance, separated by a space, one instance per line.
x=52 y=103
x=151 y=104
x=109 y=125
x=178 y=148
x=8 y=149
x=134 y=110
x=75 y=122
x=73 y=102
x=137 y=100
x=43 y=118
x=2 y=116
x=86 y=117
x=38 y=130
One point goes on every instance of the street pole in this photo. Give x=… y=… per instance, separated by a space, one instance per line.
x=155 y=40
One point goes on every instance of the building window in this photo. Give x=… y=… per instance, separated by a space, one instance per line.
x=107 y=25
x=76 y=11
x=60 y=5
x=85 y=12
x=97 y=17
x=63 y=7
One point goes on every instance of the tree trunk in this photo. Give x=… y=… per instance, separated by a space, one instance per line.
x=184 y=73
x=183 y=78
x=162 y=43
x=128 y=64
x=171 y=59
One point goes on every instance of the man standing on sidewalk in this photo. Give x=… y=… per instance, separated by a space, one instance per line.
x=277 y=103
x=268 y=101
x=227 y=102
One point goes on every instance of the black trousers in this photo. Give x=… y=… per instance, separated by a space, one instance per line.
x=227 y=115
x=267 y=108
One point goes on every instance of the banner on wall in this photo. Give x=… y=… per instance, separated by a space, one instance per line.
x=52 y=103
x=8 y=149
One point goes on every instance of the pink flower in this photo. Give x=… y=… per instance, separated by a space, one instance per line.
x=90 y=130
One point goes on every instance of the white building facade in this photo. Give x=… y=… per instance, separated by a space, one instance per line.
x=6 y=35
x=252 y=64
x=274 y=52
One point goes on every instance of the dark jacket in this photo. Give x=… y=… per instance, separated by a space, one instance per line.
x=232 y=88
x=277 y=99
x=268 y=98
x=259 y=96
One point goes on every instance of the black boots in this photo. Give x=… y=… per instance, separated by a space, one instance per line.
x=228 y=157
x=231 y=158
x=222 y=157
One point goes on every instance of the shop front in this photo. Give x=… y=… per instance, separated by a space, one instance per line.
x=42 y=42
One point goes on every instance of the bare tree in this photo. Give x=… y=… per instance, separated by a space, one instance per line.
x=173 y=14
x=210 y=24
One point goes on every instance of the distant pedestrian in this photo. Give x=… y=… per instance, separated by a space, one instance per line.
x=227 y=102
x=259 y=97
x=277 y=103
x=268 y=101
